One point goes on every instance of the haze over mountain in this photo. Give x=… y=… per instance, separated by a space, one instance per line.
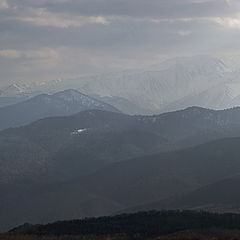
x=59 y=104
x=167 y=83
x=175 y=84
x=12 y=94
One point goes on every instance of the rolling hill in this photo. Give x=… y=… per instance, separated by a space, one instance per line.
x=91 y=139
x=98 y=162
x=121 y=186
x=221 y=196
x=142 y=225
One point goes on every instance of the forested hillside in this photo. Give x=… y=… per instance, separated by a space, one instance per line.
x=142 y=225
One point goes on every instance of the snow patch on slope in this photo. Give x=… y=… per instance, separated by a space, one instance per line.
x=78 y=131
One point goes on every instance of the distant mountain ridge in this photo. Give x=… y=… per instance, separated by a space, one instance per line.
x=13 y=90
x=155 y=89
x=175 y=84
x=62 y=103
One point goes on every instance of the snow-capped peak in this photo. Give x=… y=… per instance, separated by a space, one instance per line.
x=14 y=89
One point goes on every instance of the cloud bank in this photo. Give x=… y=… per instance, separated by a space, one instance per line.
x=48 y=39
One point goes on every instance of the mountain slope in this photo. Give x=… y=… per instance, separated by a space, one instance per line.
x=7 y=101
x=13 y=90
x=151 y=91
x=220 y=196
x=125 y=184
x=13 y=94
x=60 y=104
x=78 y=144
x=155 y=89
x=220 y=96
x=101 y=162
x=92 y=139
x=154 y=177
x=144 y=225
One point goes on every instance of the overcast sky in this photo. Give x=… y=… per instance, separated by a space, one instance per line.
x=49 y=39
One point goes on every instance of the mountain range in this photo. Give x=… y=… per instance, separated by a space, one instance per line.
x=41 y=106
x=174 y=84
x=98 y=162
x=102 y=145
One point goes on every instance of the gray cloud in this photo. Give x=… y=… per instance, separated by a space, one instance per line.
x=138 y=8
x=46 y=39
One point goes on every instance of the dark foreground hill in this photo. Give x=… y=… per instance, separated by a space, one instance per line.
x=220 y=196
x=97 y=163
x=140 y=225
x=125 y=185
